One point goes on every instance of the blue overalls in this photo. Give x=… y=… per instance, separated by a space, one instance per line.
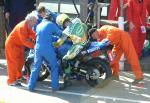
x=53 y=15
x=44 y=50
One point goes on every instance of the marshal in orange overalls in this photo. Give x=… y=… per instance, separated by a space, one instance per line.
x=122 y=44
x=114 y=10
x=137 y=15
x=18 y=39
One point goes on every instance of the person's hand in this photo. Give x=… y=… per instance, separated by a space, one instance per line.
x=7 y=14
x=125 y=6
x=75 y=39
x=131 y=26
x=56 y=44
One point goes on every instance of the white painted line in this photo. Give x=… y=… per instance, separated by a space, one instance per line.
x=94 y=96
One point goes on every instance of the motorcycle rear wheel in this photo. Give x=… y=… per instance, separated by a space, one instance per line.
x=44 y=73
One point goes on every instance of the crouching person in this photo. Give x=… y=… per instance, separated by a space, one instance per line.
x=44 y=50
x=122 y=43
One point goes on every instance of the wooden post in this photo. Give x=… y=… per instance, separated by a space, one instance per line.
x=59 y=2
x=83 y=9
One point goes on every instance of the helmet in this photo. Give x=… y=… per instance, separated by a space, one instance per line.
x=61 y=19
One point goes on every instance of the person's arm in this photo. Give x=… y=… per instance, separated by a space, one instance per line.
x=97 y=46
x=26 y=37
x=62 y=36
x=130 y=16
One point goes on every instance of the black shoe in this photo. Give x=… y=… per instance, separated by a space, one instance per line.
x=67 y=83
x=136 y=81
x=22 y=80
x=58 y=89
x=16 y=83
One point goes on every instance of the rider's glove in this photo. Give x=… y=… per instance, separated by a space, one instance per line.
x=58 y=43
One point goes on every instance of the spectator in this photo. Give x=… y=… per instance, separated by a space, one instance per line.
x=137 y=18
x=122 y=43
x=21 y=36
x=148 y=6
x=16 y=10
x=44 y=31
x=91 y=4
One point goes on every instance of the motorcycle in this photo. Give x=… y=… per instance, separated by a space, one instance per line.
x=94 y=69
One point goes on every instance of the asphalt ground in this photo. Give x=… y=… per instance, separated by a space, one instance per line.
x=115 y=92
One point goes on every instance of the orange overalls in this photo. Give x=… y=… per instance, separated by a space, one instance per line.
x=114 y=10
x=137 y=14
x=148 y=8
x=14 y=49
x=122 y=44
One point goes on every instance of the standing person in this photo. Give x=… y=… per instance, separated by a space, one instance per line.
x=16 y=10
x=114 y=10
x=137 y=18
x=41 y=12
x=122 y=43
x=148 y=8
x=90 y=10
x=21 y=36
x=2 y=26
x=44 y=50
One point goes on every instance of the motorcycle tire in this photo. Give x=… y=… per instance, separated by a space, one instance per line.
x=44 y=73
x=102 y=68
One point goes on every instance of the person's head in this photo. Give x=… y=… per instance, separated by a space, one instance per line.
x=63 y=20
x=41 y=11
x=31 y=18
x=93 y=33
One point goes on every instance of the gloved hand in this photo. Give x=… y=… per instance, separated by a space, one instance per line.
x=75 y=39
x=58 y=43
x=103 y=43
x=69 y=56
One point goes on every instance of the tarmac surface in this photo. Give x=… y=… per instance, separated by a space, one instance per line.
x=115 y=92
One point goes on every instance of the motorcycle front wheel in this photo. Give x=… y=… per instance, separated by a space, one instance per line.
x=98 y=72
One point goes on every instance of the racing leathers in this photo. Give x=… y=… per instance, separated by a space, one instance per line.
x=76 y=31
